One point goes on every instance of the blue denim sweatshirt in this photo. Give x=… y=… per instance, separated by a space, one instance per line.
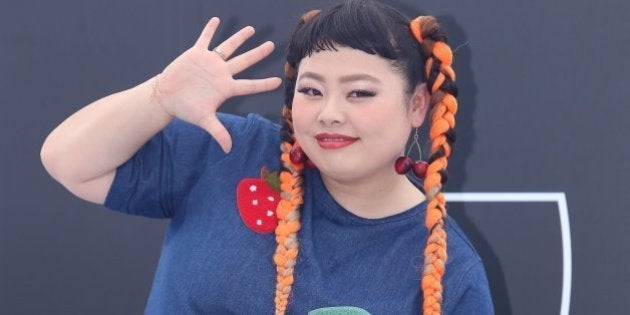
x=212 y=263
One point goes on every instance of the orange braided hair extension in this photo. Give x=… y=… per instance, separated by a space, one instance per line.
x=440 y=79
x=288 y=210
x=288 y=225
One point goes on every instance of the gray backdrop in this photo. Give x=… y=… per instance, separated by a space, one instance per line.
x=543 y=109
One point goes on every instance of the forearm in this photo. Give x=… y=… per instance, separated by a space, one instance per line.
x=95 y=140
x=84 y=151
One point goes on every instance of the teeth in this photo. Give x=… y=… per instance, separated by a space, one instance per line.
x=334 y=140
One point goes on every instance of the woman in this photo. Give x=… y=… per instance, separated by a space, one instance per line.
x=343 y=227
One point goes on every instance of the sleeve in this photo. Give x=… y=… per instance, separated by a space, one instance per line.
x=155 y=180
x=474 y=293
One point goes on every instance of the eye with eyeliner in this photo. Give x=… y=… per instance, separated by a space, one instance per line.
x=361 y=93
x=309 y=91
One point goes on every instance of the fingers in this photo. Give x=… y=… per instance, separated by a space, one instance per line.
x=243 y=87
x=245 y=60
x=216 y=129
x=230 y=45
x=206 y=35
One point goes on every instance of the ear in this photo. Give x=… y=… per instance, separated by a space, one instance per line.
x=419 y=105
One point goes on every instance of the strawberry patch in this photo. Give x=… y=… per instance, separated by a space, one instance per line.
x=257 y=199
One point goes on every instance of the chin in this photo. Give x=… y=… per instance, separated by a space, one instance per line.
x=337 y=170
x=341 y=177
x=354 y=173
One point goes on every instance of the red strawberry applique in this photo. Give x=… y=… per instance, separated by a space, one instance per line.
x=257 y=199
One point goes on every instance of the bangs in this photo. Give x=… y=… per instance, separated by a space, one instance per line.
x=362 y=25
x=366 y=25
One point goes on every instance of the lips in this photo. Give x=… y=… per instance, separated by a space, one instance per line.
x=334 y=141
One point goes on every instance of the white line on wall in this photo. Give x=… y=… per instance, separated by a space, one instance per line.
x=563 y=211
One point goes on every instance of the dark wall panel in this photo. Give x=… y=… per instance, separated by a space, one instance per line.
x=543 y=108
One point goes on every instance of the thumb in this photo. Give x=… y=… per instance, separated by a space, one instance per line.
x=216 y=129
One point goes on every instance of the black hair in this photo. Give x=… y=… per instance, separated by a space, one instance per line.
x=365 y=25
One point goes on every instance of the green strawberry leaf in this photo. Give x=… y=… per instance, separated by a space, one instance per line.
x=271 y=178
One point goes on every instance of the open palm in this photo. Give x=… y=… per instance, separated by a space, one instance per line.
x=197 y=82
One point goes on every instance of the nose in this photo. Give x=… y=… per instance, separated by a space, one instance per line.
x=332 y=112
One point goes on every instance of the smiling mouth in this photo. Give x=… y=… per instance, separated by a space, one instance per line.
x=334 y=141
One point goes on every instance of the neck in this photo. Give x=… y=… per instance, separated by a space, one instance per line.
x=375 y=197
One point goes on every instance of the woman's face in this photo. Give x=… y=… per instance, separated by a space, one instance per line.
x=351 y=114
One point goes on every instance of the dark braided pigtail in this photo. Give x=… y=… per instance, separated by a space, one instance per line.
x=440 y=81
x=288 y=210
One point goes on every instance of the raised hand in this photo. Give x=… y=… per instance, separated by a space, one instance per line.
x=197 y=82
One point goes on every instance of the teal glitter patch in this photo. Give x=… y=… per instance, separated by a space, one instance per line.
x=339 y=310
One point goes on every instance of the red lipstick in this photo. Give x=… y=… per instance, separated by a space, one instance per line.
x=334 y=140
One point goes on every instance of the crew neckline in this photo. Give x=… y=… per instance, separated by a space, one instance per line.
x=320 y=195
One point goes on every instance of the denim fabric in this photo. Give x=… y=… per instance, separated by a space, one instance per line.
x=211 y=263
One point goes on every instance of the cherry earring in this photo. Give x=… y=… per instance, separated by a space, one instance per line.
x=298 y=156
x=405 y=163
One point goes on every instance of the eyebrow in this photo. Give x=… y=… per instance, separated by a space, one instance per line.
x=344 y=79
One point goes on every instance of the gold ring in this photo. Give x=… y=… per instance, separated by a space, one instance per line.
x=220 y=53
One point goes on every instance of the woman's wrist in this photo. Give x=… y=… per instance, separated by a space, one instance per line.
x=155 y=99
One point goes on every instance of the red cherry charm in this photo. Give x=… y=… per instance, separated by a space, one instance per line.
x=420 y=168
x=403 y=164
x=297 y=155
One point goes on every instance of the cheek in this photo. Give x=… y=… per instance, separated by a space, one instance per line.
x=389 y=125
x=383 y=118
x=302 y=114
